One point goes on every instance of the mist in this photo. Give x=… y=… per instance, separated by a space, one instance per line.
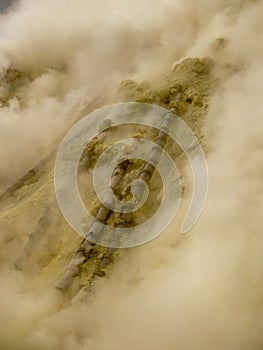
x=202 y=290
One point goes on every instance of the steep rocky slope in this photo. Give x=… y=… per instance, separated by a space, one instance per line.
x=30 y=217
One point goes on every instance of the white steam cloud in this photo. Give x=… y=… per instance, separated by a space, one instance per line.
x=202 y=291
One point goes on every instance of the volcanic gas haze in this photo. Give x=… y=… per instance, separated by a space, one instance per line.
x=60 y=60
